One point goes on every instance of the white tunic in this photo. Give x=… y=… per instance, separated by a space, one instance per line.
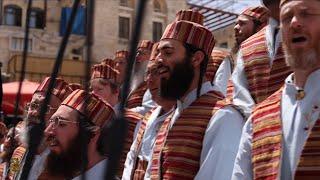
x=296 y=115
x=147 y=104
x=145 y=153
x=220 y=81
x=241 y=94
x=221 y=140
x=97 y=172
x=38 y=164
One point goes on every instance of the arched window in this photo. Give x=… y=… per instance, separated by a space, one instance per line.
x=12 y=15
x=37 y=19
x=157 y=6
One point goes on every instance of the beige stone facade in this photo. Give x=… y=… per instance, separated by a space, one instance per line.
x=44 y=42
x=107 y=40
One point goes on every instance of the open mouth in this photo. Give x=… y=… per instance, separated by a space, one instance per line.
x=163 y=69
x=299 y=39
x=51 y=141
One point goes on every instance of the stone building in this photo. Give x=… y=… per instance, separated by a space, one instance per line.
x=114 y=20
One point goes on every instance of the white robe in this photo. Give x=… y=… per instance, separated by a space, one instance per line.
x=153 y=125
x=97 y=172
x=296 y=115
x=221 y=78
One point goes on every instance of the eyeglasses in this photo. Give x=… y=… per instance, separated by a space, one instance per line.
x=60 y=122
x=36 y=106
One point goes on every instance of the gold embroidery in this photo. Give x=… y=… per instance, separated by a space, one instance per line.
x=14 y=165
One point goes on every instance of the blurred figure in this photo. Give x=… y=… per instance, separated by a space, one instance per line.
x=3 y=133
x=121 y=61
x=139 y=98
x=73 y=126
x=139 y=156
x=261 y=68
x=104 y=84
x=60 y=91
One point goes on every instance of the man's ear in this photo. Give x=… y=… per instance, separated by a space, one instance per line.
x=197 y=58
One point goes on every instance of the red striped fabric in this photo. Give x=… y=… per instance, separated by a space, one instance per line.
x=263 y=80
x=267 y=143
x=135 y=98
x=177 y=151
x=16 y=162
x=132 y=118
x=217 y=57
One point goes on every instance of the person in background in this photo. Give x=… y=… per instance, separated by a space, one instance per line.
x=60 y=91
x=139 y=156
x=261 y=68
x=82 y=119
x=104 y=84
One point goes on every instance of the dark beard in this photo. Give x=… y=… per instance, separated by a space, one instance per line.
x=179 y=81
x=68 y=163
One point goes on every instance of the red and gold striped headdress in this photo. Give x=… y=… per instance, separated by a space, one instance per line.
x=105 y=72
x=145 y=44
x=108 y=61
x=190 y=33
x=97 y=111
x=61 y=88
x=154 y=51
x=122 y=54
x=190 y=15
x=258 y=13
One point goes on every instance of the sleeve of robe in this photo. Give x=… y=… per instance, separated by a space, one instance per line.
x=147 y=104
x=220 y=145
x=241 y=94
x=242 y=169
x=222 y=76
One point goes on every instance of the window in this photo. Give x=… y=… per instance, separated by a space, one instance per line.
x=12 y=15
x=124 y=27
x=156 y=6
x=124 y=3
x=17 y=44
x=224 y=45
x=37 y=19
x=157 y=31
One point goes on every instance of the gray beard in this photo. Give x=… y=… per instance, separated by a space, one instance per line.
x=138 y=75
x=300 y=60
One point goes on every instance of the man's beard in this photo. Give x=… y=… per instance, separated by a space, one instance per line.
x=68 y=163
x=179 y=81
x=138 y=74
x=301 y=59
x=24 y=135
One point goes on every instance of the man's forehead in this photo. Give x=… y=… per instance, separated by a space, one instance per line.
x=169 y=43
x=66 y=112
x=301 y=4
x=243 y=18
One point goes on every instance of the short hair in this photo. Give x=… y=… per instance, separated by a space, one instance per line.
x=87 y=132
x=190 y=51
